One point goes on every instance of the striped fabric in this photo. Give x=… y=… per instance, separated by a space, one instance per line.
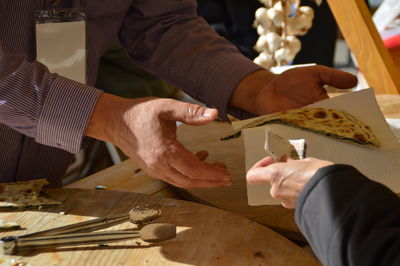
x=43 y=116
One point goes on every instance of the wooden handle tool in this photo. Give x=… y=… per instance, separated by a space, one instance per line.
x=155 y=232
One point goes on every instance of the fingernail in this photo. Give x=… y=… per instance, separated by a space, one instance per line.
x=208 y=112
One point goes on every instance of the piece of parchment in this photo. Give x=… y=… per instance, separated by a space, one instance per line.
x=382 y=165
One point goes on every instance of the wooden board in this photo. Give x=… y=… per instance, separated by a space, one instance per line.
x=355 y=22
x=122 y=177
x=206 y=235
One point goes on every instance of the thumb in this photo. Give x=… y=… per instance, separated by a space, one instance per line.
x=336 y=78
x=192 y=114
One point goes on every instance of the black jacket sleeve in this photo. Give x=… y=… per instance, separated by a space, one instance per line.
x=349 y=219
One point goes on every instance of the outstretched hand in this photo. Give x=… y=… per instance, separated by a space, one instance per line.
x=145 y=130
x=263 y=92
x=287 y=179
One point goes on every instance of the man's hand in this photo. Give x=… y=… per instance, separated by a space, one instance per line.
x=287 y=179
x=263 y=92
x=145 y=130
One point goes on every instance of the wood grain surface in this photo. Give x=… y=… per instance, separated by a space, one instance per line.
x=206 y=235
x=123 y=177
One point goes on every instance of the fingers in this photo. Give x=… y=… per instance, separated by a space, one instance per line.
x=188 y=113
x=336 y=78
x=221 y=165
x=263 y=175
x=191 y=166
x=264 y=162
x=288 y=204
x=202 y=155
x=259 y=173
x=177 y=179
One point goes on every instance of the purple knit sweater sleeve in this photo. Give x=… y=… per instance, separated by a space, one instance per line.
x=49 y=108
x=170 y=40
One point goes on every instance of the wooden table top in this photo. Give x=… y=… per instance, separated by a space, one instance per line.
x=234 y=198
x=205 y=235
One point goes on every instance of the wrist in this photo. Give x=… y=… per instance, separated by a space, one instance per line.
x=247 y=90
x=100 y=123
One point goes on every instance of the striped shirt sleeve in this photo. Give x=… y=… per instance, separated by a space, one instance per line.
x=49 y=108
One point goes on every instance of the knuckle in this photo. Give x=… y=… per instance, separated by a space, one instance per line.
x=274 y=192
x=192 y=110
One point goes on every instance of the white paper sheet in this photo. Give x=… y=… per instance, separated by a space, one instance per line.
x=382 y=165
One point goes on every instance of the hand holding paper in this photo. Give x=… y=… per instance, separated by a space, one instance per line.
x=287 y=178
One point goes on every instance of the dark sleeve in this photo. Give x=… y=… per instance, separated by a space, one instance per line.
x=170 y=40
x=47 y=107
x=349 y=219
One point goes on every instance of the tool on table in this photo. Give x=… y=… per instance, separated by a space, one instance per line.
x=81 y=233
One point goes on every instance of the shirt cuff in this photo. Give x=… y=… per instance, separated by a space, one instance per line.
x=65 y=114
x=225 y=76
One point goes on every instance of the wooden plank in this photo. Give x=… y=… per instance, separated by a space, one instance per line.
x=355 y=22
x=126 y=176
x=206 y=235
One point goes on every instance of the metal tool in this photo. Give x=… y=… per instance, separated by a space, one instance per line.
x=79 y=233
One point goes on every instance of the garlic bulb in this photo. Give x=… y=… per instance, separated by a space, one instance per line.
x=261 y=30
x=307 y=11
x=293 y=44
x=274 y=41
x=283 y=56
x=265 y=60
x=279 y=6
x=260 y=13
x=299 y=25
x=276 y=16
x=263 y=20
x=262 y=44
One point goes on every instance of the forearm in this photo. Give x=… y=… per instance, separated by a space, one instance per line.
x=349 y=219
x=168 y=39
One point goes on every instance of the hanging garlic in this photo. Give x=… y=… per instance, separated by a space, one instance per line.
x=293 y=44
x=283 y=56
x=263 y=21
x=281 y=5
x=276 y=16
x=274 y=41
x=307 y=11
x=261 y=30
x=265 y=59
x=278 y=23
x=299 y=25
x=262 y=44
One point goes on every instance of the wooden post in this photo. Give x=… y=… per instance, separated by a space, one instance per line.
x=355 y=22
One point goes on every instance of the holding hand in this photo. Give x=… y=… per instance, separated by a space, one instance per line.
x=287 y=179
x=263 y=92
x=145 y=130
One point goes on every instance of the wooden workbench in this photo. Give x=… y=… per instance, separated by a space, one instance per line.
x=122 y=177
x=205 y=235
